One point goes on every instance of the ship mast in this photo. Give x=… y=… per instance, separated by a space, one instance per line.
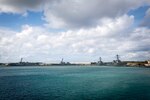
x=100 y=61
x=62 y=61
x=117 y=56
x=21 y=60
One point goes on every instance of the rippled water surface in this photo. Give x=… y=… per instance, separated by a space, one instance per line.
x=74 y=83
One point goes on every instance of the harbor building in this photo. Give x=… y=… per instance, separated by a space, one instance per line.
x=148 y=63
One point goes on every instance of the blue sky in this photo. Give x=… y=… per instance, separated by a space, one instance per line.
x=15 y=21
x=139 y=13
x=77 y=31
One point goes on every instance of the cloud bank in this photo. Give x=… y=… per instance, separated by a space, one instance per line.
x=112 y=37
x=92 y=29
x=82 y=14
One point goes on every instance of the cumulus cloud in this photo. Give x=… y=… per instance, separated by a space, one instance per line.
x=72 y=13
x=82 y=14
x=102 y=29
x=20 y=44
x=110 y=38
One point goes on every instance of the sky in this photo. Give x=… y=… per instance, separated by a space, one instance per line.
x=76 y=30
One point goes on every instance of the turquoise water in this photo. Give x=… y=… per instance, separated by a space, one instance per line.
x=74 y=83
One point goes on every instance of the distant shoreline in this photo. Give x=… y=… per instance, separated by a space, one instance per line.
x=99 y=63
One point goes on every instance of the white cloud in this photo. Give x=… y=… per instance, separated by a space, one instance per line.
x=72 y=13
x=20 y=44
x=102 y=29
x=82 y=14
x=109 y=38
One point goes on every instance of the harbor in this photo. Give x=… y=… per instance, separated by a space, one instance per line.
x=116 y=62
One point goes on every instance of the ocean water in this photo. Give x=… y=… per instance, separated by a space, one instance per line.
x=74 y=83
